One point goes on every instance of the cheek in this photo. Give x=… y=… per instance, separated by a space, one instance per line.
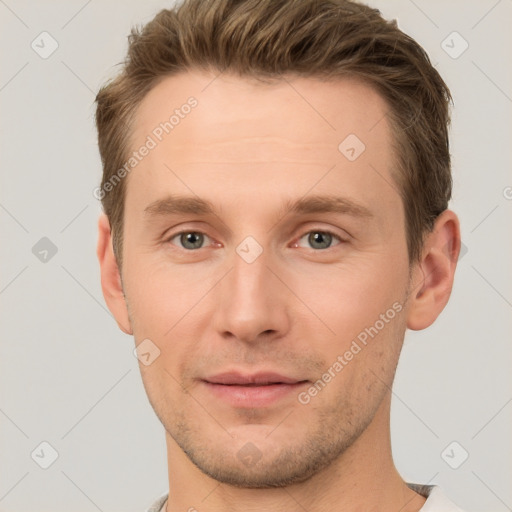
x=153 y=299
x=169 y=306
x=349 y=298
x=363 y=307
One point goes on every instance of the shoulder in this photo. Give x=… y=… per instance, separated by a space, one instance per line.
x=158 y=505
x=437 y=501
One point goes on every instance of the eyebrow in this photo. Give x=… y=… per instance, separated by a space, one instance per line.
x=327 y=204
x=174 y=204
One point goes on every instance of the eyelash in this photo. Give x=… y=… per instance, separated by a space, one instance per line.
x=322 y=231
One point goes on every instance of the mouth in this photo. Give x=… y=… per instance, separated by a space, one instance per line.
x=252 y=390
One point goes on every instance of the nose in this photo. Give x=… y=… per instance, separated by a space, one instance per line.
x=251 y=302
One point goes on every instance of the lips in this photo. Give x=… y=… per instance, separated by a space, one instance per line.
x=255 y=379
x=252 y=390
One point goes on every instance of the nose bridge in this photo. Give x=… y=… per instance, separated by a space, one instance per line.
x=249 y=281
x=247 y=303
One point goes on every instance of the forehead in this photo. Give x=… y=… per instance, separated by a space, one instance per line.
x=248 y=134
x=293 y=110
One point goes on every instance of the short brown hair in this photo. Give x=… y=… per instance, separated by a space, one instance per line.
x=266 y=39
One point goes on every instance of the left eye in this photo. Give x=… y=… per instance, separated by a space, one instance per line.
x=190 y=240
x=319 y=239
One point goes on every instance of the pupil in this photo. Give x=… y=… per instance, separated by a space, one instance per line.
x=191 y=240
x=323 y=239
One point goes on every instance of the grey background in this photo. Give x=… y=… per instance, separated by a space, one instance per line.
x=68 y=375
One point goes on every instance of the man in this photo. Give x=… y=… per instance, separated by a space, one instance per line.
x=276 y=181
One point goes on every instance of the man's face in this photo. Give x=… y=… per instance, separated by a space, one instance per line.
x=257 y=286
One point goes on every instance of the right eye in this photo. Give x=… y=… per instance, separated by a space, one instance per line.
x=189 y=240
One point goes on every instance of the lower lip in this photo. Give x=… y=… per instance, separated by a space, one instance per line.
x=253 y=396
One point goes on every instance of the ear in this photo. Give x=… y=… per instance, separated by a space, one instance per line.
x=110 y=276
x=432 y=277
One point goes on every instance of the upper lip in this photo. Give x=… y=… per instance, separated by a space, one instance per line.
x=259 y=378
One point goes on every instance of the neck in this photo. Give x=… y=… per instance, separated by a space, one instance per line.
x=363 y=477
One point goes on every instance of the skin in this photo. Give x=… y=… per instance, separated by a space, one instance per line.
x=247 y=148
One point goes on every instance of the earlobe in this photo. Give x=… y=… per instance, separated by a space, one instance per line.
x=433 y=276
x=110 y=276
